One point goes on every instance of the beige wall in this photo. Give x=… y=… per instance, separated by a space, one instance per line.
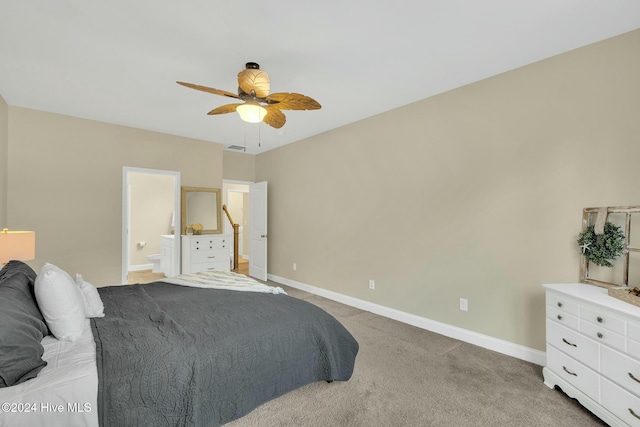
x=474 y=193
x=4 y=160
x=65 y=178
x=239 y=166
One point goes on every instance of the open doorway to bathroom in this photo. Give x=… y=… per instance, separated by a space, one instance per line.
x=150 y=212
x=235 y=195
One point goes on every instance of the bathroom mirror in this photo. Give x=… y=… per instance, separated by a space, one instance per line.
x=201 y=205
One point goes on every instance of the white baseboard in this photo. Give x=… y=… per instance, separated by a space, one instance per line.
x=501 y=346
x=140 y=267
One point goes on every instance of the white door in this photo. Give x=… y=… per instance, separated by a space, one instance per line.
x=258 y=230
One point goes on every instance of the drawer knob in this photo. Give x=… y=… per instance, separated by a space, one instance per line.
x=633 y=377
x=571 y=373
x=559 y=317
x=568 y=343
x=633 y=413
x=600 y=319
x=559 y=304
x=599 y=334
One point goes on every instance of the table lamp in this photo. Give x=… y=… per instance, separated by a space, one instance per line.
x=17 y=245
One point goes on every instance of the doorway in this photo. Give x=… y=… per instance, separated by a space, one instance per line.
x=235 y=195
x=150 y=212
x=249 y=201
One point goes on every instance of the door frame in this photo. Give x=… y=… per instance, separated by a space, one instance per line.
x=126 y=215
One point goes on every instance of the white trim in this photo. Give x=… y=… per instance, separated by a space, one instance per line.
x=235 y=181
x=501 y=346
x=140 y=267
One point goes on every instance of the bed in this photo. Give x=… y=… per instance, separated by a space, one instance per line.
x=167 y=354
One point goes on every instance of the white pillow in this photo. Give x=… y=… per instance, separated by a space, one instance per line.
x=93 y=306
x=60 y=302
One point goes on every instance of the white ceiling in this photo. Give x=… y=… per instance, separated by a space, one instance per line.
x=117 y=61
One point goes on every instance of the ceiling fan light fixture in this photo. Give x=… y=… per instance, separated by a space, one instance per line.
x=251 y=112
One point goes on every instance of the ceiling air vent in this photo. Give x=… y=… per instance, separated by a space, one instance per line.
x=236 y=147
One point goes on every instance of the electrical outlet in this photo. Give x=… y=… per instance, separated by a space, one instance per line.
x=464 y=304
x=295 y=267
x=372 y=284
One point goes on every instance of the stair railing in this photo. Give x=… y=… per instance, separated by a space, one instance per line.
x=236 y=233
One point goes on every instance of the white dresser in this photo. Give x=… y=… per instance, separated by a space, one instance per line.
x=206 y=252
x=593 y=351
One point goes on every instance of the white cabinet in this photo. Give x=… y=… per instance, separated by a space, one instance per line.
x=206 y=252
x=167 y=251
x=593 y=353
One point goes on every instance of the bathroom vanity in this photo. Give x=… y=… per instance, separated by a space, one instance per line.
x=167 y=252
x=206 y=252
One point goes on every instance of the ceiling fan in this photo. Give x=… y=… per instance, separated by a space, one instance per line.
x=258 y=105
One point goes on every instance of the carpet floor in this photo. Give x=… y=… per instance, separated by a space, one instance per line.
x=406 y=376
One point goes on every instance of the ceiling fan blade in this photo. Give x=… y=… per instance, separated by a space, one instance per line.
x=224 y=109
x=292 y=101
x=210 y=90
x=274 y=117
x=256 y=80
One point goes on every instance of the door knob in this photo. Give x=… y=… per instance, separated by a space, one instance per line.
x=264 y=236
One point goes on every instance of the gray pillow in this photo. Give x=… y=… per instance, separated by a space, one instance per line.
x=23 y=326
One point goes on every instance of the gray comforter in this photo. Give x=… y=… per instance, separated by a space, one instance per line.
x=174 y=356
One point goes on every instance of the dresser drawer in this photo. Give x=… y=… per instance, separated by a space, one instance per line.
x=603 y=319
x=620 y=402
x=573 y=372
x=205 y=266
x=621 y=369
x=209 y=255
x=633 y=348
x=563 y=317
x=573 y=343
x=208 y=243
x=565 y=304
x=602 y=335
x=633 y=330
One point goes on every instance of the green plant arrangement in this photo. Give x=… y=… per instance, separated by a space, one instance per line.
x=602 y=249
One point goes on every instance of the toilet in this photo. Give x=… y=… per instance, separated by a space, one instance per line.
x=155 y=260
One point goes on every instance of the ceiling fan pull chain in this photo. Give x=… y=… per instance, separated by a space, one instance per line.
x=259 y=134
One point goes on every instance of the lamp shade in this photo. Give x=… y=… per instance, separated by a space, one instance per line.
x=250 y=112
x=18 y=245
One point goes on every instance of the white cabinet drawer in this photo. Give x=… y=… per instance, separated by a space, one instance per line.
x=621 y=369
x=620 y=402
x=209 y=255
x=603 y=318
x=573 y=372
x=204 y=266
x=573 y=343
x=602 y=335
x=633 y=348
x=565 y=304
x=208 y=243
x=633 y=330
x=563 y=318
